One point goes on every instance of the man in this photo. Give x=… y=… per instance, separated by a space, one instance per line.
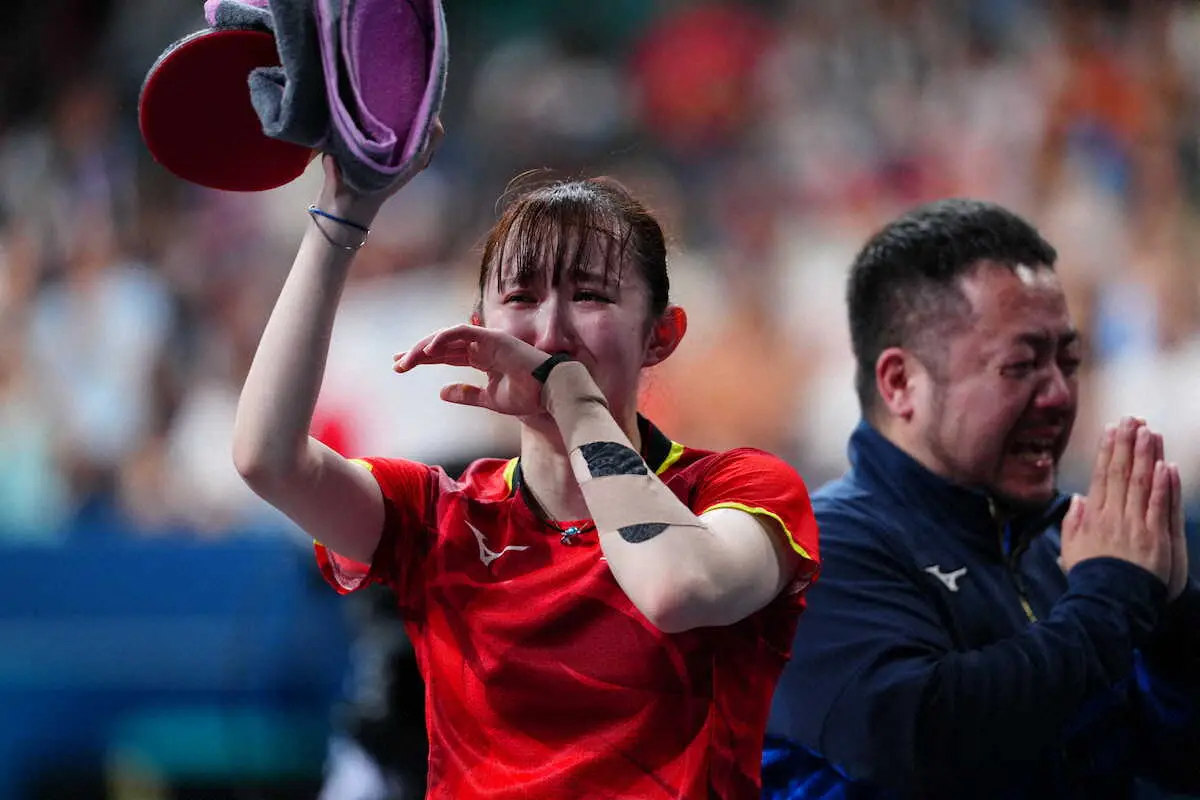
x=974 y=632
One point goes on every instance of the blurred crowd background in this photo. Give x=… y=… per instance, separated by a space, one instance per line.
x=771 y=136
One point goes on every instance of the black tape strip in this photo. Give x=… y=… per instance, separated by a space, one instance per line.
x=642 y=532
x=609 y=458
x=542 y=371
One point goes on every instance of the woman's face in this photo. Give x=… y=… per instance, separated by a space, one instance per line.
x=597 y=313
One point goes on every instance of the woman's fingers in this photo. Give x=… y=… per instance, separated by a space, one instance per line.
x=436 y=134
x=451 y=337
x=402 y=362
x=466 y=394
x=433 y=349
x=484 y=349
x=451 y=355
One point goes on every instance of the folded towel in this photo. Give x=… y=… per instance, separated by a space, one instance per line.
x=362 y=80
x=289 y=99
x=385 y=72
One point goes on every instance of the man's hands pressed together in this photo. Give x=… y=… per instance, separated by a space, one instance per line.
x=1133 y=510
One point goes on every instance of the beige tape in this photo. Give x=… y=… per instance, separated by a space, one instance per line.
x=569 y=394
x=618 y=501
x=579 y=467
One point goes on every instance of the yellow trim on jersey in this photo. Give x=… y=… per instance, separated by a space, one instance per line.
x=672 y=457
x=510 y=470
x=765 y=513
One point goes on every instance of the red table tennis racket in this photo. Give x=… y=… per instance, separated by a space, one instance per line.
x=197 y=121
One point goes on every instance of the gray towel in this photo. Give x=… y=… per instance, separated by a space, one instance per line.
x=289 y=99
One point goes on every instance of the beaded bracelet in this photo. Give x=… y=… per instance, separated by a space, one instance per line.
x=315 y=212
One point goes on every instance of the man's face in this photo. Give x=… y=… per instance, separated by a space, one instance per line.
x=997 y=413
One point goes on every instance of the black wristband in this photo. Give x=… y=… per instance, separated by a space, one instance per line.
x=542 y=371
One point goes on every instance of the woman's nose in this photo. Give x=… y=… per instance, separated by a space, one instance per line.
x=555 y=330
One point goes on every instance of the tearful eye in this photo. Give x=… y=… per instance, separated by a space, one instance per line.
x=591 y=297
x=518 y=297
x=1020 y=369
x=1070 y=365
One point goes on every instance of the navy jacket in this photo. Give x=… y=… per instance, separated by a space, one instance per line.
x=943 y=654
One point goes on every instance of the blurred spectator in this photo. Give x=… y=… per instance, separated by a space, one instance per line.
x=693 y=75
x=34 y=499
x=95 y=336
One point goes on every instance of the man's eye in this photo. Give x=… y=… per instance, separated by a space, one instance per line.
x=1069 y=364
x=518 y=297
x=591 y=297
x=1019 y=369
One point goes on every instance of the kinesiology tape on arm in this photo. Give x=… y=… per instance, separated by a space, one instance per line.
x=620 y=490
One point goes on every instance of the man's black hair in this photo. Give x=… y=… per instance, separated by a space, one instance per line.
x=904 y=288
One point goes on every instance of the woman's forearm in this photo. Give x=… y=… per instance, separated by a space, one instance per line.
x=275 y=410
x=643 y=526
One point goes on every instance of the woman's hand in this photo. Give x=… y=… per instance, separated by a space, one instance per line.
x=508 y=362
x=338 y=198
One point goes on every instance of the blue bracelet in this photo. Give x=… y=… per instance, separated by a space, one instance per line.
x=314 y=210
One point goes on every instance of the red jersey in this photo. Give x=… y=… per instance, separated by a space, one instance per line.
x=542 y=679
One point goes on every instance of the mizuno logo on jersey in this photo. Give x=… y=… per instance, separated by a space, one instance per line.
x=486 y=555
x=948 y=578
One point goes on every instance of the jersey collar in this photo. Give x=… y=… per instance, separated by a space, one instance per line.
x=657 y=448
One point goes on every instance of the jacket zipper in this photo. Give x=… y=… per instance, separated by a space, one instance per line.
x=1010 y=564
x=1019 y=583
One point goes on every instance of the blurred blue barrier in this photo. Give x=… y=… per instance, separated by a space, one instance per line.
x=239 y=640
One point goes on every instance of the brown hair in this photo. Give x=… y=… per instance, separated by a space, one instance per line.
x=614 y=222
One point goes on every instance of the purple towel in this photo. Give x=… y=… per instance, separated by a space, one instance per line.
x=390 y=57
x=360 y=79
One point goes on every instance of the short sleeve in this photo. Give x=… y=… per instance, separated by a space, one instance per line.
x=759 y=483
x=409 y=491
